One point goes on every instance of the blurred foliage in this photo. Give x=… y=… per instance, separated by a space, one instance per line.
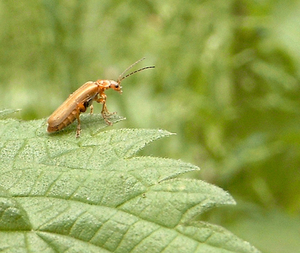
x=226 y=81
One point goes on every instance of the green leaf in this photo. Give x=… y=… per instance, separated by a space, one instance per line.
x=7 y=112
x=59 y=193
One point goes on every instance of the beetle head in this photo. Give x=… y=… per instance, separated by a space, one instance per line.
x=115 y=86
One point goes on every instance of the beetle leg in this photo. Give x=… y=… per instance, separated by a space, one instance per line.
x=92 y=109
x=105 y=113
x=80 y=108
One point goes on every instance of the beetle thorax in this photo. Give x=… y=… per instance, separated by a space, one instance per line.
x=104 y=84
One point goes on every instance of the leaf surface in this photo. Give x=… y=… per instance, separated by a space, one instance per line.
x=59 y=193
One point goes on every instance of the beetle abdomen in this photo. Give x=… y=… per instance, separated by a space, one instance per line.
x=67 y=121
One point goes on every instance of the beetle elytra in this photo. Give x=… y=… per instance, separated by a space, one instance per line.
x=83 y=98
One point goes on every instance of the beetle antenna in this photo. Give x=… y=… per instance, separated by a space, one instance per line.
x=120 y=79
x=120 y=76
x=148 y=67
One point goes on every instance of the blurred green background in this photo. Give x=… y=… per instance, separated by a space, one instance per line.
x=226 y=81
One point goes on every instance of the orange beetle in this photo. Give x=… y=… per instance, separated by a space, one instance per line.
x=83 y=98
